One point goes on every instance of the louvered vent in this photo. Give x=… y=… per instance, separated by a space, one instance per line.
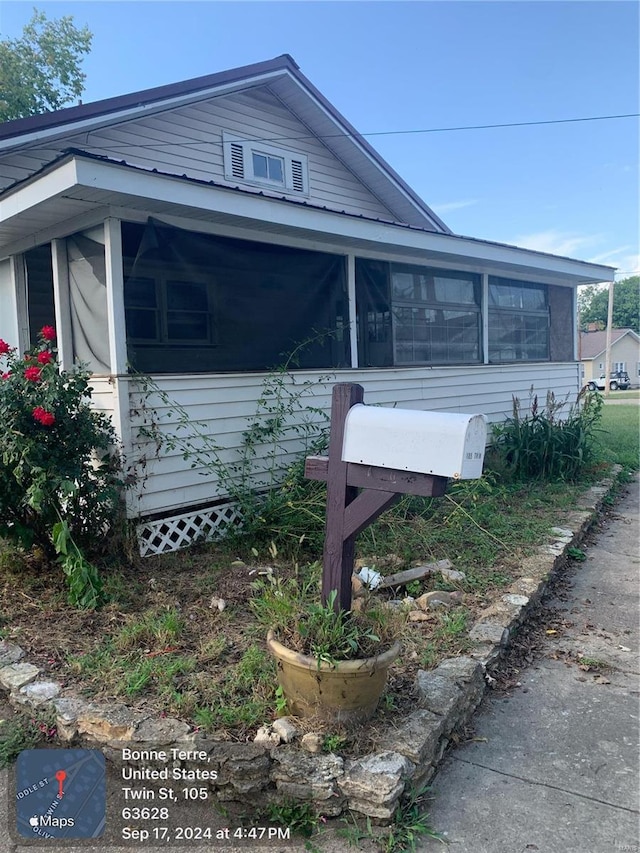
x=237 y=160
x=297 y=176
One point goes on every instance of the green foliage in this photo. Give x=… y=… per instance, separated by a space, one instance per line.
x=24 y=732
x=290 y=608
x=576 y=554
x=40 y=70
x=276 y=503
x=300 y=817
x=60 y=485
x=333 y=742
x=410 y=822
x=542 y=445
x=618 y=436
x=593 y=302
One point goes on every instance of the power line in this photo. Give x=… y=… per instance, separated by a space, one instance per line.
x=390 y=132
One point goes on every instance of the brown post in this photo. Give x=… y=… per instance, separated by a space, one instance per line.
x=338 y=550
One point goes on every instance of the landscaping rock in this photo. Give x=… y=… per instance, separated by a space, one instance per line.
x=303 y=776
x=440 y=695
x=285 y=729
x=416 y=737
x=374 y=784
x=16 y=675
x=37 y=693
x=160 y=732
x=265 y=735
x=489 y=632
x=312 y=742
x=452 y=575
x=419 y=616
x=9 y=653
x=438 y=598
x=243 y=768
x=107 y=723
x=67 y=710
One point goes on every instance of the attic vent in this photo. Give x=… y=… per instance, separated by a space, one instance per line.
x=257 y=164
x=237 y=160
x=297 y=176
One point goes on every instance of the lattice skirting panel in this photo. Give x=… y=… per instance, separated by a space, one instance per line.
x=179 y=531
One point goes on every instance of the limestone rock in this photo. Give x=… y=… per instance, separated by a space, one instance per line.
x=373 y=784
x=265 y=735
x=105 y=723
x=38 y=692
x=16 y=675
x=243 y=768
x=303 y=776
x=417 y=736
x=160 y=731
x=9 y=653
x=418 y=616
x=312 y=742
x=285 y=728
x=440 y=695
x=452 y=575
x=489 y=632
x=438 y=598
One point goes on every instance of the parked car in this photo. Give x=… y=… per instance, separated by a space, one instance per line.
x=618 y=381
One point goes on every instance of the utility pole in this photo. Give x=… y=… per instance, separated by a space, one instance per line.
x=607 y=360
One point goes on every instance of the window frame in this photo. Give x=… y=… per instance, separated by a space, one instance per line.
x=434 y=304
x=162 y=278
x=519 y=314
x=295 y=165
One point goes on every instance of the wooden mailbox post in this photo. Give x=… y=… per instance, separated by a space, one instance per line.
x=350 y=511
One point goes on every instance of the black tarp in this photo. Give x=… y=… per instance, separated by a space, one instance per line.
x=248 y=304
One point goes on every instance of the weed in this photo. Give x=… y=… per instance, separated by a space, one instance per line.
x=23 y=732
x=414 y=588
x=299 y=817
x=410 y=822
x=587 y=663
x=281 y=702
x=576 y=554
x=333 y=742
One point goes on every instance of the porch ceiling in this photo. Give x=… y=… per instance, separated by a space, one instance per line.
x=78 y=191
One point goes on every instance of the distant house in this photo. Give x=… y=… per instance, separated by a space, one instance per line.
x=625 y=353
x=200 y=230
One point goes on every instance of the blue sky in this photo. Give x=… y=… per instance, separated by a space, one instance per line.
x=571 y=188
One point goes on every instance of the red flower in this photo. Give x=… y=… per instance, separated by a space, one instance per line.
x=6 y=375
x=48 y=333
x=33 y=374
x=4 y=347
x=42 y=416
x=45 y=357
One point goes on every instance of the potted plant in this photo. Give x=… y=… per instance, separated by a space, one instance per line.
x=331 y=664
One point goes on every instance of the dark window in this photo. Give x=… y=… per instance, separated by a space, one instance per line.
x=195 y=302
x=416 y=315
x=518 y=321
x=40 y=302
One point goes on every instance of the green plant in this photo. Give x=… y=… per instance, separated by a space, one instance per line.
x=410 y=822
x=24 y=732
x=544 y=445
x=576 y=554
x=299 y=817
x=60 y=483
x=333 y=742
x=291 y=609
x=281 y=702
x=276 y=503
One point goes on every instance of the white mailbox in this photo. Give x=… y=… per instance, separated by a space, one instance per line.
x=444 y=444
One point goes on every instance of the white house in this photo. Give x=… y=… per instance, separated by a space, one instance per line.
x=198 y=231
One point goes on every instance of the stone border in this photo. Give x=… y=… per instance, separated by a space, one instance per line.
x=275 y=765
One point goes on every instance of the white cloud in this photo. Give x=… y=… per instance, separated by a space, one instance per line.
x=558 y=242
x=453 y=205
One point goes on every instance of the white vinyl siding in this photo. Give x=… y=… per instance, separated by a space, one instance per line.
x=188 y=141
x=224 y=404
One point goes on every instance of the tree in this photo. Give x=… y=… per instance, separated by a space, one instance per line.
x=593 y=302
x=40 y=70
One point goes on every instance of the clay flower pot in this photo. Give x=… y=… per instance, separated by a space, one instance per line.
x=345 y=692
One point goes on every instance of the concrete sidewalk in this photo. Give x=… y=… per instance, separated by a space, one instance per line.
x=554 y=766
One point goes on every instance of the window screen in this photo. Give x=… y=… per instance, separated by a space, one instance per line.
x=518 y=321
x=197 y=303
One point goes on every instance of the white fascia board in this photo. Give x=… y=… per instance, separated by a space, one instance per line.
x=34 y=192
x=115 y=178
x=129 y=113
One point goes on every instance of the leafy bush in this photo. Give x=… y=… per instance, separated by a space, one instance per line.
x=60 y=487
x=545 y=446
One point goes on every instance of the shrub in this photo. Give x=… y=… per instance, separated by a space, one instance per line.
x=543 y=445
x=60 y=487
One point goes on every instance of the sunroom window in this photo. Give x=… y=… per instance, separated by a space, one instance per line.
x=518 y=321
